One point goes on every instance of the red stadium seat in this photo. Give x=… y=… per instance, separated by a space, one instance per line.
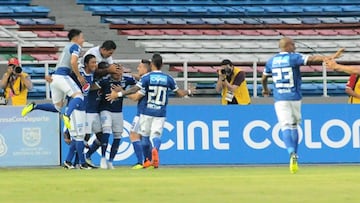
x=153 y=32
x=7 y=44
x=211 y=32
x=42 y=57
x=288 y=32
x=131 y=32
x=61 y=33
x=268 y=32
x=205 y=69
x=45 y=34
x=327 y=32
x=172 y=32
x=346 y=32
x=192 y=32
x=191 y=69
x=230 y=32
x=7 y=22
x=249 y=32
x=308 y=32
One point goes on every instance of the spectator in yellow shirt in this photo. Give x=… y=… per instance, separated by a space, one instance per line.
x=16 y=83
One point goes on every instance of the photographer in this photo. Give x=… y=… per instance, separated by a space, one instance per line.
x=15 y=83
x=232 y=84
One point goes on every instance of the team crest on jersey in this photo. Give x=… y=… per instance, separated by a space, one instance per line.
x=86 y=88
x=158 y=79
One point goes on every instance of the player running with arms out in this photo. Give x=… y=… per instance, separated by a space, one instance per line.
x=155 y=87
x=111 y=115
x=284 y=68
x=78 y=117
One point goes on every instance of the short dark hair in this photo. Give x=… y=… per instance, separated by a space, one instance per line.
x=103 y=65
x=88 y=58
x=226 y=62
x=73 y=33
x=108 y=45
x=147 y=64
x=156 y=59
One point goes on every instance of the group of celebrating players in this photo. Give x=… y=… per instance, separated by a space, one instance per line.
x=89 y=95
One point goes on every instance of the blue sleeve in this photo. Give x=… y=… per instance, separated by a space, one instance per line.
x=300 y=59
x=267 y=69
x=130 y=80
x=172 y=84
x=75 y=49
x=143 y=83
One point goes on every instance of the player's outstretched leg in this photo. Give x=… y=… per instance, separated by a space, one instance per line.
x=70 y=156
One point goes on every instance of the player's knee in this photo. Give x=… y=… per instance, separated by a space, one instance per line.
x=107 y=129
x=117 y=135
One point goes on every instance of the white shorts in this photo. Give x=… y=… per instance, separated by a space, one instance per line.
x=77 y=120
x=288 y=113
x=112 y=122
x=93 y=123
x=135 y=125
x=151 y=126
x=62 y=86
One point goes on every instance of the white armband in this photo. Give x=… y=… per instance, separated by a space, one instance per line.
x=189 y=92
x=120 y=94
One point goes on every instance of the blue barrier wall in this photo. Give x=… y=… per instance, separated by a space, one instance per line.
x=29 y=141
x=249 y=135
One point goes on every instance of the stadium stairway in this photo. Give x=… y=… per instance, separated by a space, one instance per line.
x=71 y=15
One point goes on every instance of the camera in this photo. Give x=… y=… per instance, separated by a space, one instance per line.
x=223 y=71
x=17 y=69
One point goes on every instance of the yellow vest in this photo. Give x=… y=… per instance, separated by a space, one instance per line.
x=18 y=98
x=241 y=93
x=354 y=100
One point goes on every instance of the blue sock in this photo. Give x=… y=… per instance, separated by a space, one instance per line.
x=146 y=147
x=80 y=151
x=74 y=103
x=138 y=151
x=114 y=149
x=93 y=147
x=46 y=107
x=295 y=138
x=71 y=151
x=156 y=142
x=104 y=143
x=286 y=137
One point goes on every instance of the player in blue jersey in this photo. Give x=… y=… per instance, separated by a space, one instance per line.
x=284 y=68
x=155 y=87
x=62 y=84
x=111 y=115
x=78 y=117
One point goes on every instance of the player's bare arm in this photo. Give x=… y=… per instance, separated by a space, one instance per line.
x=319 y=58
x=331 y=63
x=264 y=82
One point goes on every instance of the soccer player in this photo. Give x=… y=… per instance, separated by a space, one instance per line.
x=62 y=84
x=155 y=87
x=111 y=115
x=284 y=68
x=78 y=117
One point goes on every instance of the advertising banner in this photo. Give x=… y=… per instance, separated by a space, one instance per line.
x=213 y=134
x=32 y=140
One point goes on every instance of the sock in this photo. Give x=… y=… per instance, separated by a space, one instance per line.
x=93 y=147
x=46 y=107
x=138 y=151
x=114 y=149
x=80 y=151
x=74 y=103
x=146 y=147
x=287 y=139
x=295 y=138
x=71 y=151
x=157 y=142
x=104 y=143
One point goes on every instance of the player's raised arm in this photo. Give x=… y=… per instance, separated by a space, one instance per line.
x=320 y=58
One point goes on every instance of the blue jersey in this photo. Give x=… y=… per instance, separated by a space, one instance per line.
x=141 y=106
x=63 y=66
x=155 y=87
x=94 y=98
x=106 y=84
x=85 y=89
x=285 y=70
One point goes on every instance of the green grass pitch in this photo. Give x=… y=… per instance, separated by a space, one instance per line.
x=331 y=183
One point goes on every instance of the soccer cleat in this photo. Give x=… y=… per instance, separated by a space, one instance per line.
x=110 y=165
x=85 y=166
x=90 y=163
x=137 y=166
x=27 y=109
x=155 y=157
x=147 y=163
x=66 y=121
x=68 y=165
x=293 y=163
x=103 y=163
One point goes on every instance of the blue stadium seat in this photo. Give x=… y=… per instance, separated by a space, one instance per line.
x=137 y=21
x=155 y=21
x=118 y=21
x=25 y=21
x=44 y=21
x=175 y=21
x=98 y=9
x=160 y=9
x=137 y=9
x=213 y=21
x=313 y=9
x=294 y=9
x=311 y=21
x=198 y=9
x=233 y=21
x=332 y=9
x=350 y=8
x=195 y=21
x=178 y=9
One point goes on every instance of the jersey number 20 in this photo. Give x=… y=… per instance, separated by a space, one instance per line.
x=157 y=95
